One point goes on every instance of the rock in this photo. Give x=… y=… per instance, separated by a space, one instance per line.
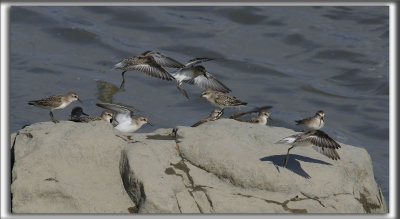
x=223 y=166
x=68 y=168
x=230 y=167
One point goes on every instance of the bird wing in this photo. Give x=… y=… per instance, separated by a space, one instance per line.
x=329 y=152
x=146 y=64
x=201 y=122
x=51 y=101
x=163 y=60
x=252 y=120
x=119 y=109
x=197 y=61
x=255 y=110
x=322 y=143
x=210 y=83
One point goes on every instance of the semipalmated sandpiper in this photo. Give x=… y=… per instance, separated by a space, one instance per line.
x=221 y=100
x=55 y=102
x=76 y=113
x=312 y=123
x=199 y=76
x=123 y=115
x=215 y=114
x=318 y=139
x=149 y=62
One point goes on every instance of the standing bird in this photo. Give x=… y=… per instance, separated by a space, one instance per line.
x=215 y=114
x=261 y=119
x=149 y=62
x=318 y=139
x=123 y=115
x=221 y=100
x=312 y=123
x=196 y=74
x=55 y=102
x=76 y=113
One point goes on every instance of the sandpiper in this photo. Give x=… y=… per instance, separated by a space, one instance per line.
x=76 y=113
x=197 y=75
x=215 y=114
x=318 y=139
x=123 y=115
x=150 y=63
x=55 y=102
x=312 y=123
x=221 y=100
x=261 y=119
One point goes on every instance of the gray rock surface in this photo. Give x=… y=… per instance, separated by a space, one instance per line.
x=222 y=166
x=68 y=168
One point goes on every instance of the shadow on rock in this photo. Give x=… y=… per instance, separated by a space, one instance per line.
x=161 y=137
x=293 y=163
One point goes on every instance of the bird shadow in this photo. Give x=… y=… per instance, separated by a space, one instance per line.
x=293 y=163
x=161 y=137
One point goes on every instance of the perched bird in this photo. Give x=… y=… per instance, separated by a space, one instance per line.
x=215 y=114
x=76 y=113
x=261 y=119
x=149 y=62
x=318 y=139
x=55 y=102
x=221 y=100
x=197 y=75
x=312 y=123
x=123 y=115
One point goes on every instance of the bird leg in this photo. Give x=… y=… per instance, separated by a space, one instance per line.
x=182 y=90
x=52 y=117
x=287 y=156
x=123 y=80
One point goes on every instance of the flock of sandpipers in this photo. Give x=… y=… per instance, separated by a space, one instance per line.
x=155 y=64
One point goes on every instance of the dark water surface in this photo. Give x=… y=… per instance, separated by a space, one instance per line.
x=298 y=59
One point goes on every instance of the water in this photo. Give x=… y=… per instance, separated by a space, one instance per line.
x=298 y=59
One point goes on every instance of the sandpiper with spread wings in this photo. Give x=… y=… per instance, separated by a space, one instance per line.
x=192 y=73
x=149 y=62
x=318 y=139
x=221 y=100
x=55 y=102
x=215 y=114
x=76 y=113
x=312 y=123
x=123 y=115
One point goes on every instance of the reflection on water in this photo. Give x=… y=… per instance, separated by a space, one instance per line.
x=106 y=91
x=298 y=59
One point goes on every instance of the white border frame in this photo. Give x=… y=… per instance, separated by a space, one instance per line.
x=5 y=141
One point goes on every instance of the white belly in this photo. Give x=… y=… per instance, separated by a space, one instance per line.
x=127 y=127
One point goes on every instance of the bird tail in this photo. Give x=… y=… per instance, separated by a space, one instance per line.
x=286 y=140
x=120 y=64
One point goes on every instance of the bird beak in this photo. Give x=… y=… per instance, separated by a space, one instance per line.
x=149 y=123
x=270 y=118
x=84 y=114
x=322 y=118
x=79 y=100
